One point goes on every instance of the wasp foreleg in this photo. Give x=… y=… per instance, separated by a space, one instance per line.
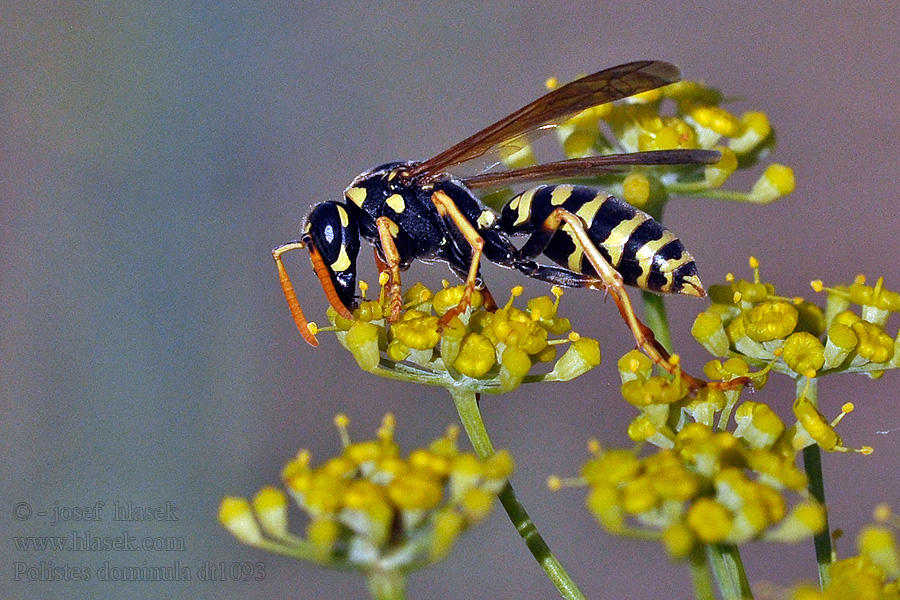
x=387 y=229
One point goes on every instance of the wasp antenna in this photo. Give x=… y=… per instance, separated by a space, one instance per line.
x=302 y=324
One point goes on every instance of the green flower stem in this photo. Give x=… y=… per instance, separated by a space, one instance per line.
x=387 y=585
x=729 y=571
x=655 y=318
x=701 y=577
x=812 y=463
x=467 y=405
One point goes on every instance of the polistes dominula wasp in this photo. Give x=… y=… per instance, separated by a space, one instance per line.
x=419 y=211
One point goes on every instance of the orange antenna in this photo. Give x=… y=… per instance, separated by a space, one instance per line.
x=306 y=330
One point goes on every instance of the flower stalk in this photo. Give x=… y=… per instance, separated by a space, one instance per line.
x=473 y=424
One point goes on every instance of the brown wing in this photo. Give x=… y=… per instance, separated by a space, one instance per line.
x=601 y=87
x=591 y=166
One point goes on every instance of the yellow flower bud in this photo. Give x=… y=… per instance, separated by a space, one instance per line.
x=638 y=496
x=710 y=521
x=449 y=298
x=814 y=423
x=873 y=343
x=369 y=311
x=611 y=467
x=770 y=320
x=362 y=341
x=758 y=424
x=840 y=343
x=476 y=504
x=323 y=534
x=418 y=295
x=804 y=521
x=270 y=505
x=476 y=356
x=803 y=353
x=756 y=130
x=678 y=540
x=498 y=467
x=879 y=544
x=514 y=366
x=410 y=491
x=603 y=502
x=636 y=189
x=716 y=118
x=716 y=174
x=581 y=356
x=451 y=340
x=709 y=331
x=397 y=350
x=777 y=181
x=656 y=390
x=236 y=516
x=635 y=365
x=448 y=524
x=417 y=330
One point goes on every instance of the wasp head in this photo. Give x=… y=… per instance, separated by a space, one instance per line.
x=332 y=236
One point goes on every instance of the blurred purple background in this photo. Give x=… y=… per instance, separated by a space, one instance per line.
x=150 y=158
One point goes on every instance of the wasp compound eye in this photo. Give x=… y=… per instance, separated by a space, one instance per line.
x=334 y=235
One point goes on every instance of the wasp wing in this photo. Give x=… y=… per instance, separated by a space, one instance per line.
x=548 y=110
x=591 y=166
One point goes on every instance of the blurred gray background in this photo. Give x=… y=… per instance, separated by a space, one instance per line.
x=150 y=158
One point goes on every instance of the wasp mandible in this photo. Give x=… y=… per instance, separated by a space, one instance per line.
x=419 y=211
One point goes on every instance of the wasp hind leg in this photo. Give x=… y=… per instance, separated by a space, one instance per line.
x=607 y=278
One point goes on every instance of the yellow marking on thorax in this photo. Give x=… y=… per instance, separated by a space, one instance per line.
x=345 y=219
x=396 y=202
x=342 y=262
x=486 y=219
x=522 y=205
x=357 y=195
x=620 y=235
x=560 y=194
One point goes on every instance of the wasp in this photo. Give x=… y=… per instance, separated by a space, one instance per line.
x=420 y=211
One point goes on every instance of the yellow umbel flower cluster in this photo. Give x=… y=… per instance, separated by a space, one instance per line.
x=709 y=487
x=794 y=336
x=479 y=350
x=371 y=509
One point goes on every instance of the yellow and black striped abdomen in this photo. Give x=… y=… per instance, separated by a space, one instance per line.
x=645 y=253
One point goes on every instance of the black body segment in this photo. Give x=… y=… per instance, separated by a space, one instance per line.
x=646 y=254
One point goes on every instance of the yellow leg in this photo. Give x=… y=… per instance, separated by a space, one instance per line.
x=386 y=231
x=447 y=208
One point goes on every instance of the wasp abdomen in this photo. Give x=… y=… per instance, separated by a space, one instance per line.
x=646 y=254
